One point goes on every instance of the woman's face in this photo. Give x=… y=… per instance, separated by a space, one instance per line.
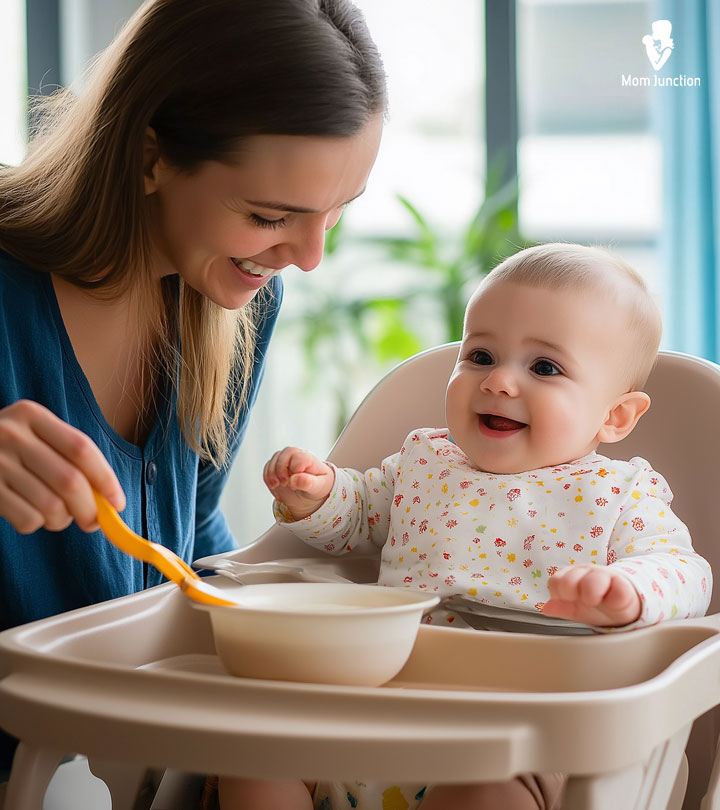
x=228 y=228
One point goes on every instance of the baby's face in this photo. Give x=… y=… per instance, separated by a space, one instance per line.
x=537 y=374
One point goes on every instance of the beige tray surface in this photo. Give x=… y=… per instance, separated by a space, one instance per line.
x=137 y=680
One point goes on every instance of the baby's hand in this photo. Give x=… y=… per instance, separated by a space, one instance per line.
x=299 y=480
x=593 y=595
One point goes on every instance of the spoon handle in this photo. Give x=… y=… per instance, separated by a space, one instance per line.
x=160 y=557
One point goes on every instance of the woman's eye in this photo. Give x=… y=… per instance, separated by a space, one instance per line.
x=545 y=368
x=480 y=357
x=261 y=222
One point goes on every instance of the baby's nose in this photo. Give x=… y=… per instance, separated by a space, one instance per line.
x=501 y=380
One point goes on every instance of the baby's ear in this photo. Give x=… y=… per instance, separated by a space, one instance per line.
x=623 y=416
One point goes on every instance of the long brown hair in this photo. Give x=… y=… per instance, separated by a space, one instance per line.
x=203 y=74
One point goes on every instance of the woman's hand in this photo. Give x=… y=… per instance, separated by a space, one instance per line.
x=47 y=471
x=299 y=480
x=593 y=594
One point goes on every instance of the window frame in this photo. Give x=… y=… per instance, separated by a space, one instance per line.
x=43 y=46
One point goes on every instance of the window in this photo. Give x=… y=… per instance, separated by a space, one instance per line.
x=13 y=88
x=589 y=164
x=432 y=149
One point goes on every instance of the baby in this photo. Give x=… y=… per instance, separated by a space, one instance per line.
x=511 y=505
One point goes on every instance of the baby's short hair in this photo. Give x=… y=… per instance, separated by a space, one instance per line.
x=560 y=265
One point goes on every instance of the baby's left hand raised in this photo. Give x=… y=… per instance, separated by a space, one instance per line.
x=592 y=595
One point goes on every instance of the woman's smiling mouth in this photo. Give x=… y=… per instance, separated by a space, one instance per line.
x=253 y=268
x=253 y=276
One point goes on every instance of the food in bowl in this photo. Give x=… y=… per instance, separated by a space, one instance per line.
x=337 y=633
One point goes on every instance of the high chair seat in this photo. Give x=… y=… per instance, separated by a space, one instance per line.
x=134 y=683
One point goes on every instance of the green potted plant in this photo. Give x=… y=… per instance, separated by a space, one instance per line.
x=450 y=266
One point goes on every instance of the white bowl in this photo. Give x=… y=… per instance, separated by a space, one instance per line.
x=339 y=633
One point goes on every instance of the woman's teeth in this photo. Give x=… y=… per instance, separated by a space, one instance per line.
x=254 y=269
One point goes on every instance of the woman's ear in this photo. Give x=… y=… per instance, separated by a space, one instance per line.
x=623 y=416
x=151 y=162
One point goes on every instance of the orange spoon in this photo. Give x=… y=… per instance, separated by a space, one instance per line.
x=166 y=561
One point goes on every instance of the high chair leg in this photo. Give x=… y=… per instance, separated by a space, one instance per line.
x=661 y=772
x=607 y=791
x=647 y=786
x=677 y=796
x=31 y=773
x=711 y=800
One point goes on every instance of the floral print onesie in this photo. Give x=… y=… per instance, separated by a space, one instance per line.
x=446 y=527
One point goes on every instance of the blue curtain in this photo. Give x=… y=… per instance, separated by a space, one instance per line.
x=688 y=120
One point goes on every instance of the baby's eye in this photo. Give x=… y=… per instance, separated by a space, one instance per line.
x=480 y=357
x=545 y=368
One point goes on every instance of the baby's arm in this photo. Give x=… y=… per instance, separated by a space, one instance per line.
x=650 y=549
x=298 y=480
x=332 y=508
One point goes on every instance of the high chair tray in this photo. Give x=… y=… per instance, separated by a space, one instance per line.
x=137 y=680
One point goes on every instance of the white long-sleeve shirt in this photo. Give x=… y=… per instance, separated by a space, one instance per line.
x=446 y=527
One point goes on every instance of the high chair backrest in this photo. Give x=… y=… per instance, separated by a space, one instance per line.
x=412 y=395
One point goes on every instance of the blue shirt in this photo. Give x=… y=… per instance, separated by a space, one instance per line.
x=172 y=497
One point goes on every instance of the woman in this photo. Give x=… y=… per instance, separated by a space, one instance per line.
x=140 y=242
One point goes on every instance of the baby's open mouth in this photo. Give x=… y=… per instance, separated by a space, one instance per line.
x=494 y=422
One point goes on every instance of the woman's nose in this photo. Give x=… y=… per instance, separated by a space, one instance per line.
x=304 y=248
x=501 y=380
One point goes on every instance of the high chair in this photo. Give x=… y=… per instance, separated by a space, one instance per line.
x=134 y=683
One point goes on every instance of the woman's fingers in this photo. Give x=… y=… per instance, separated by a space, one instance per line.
x=48 y=469
x=64 y=479
x=19 y=512
x=82 y=453
x=28 y=503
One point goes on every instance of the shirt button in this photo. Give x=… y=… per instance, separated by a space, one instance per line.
x=151 y=472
